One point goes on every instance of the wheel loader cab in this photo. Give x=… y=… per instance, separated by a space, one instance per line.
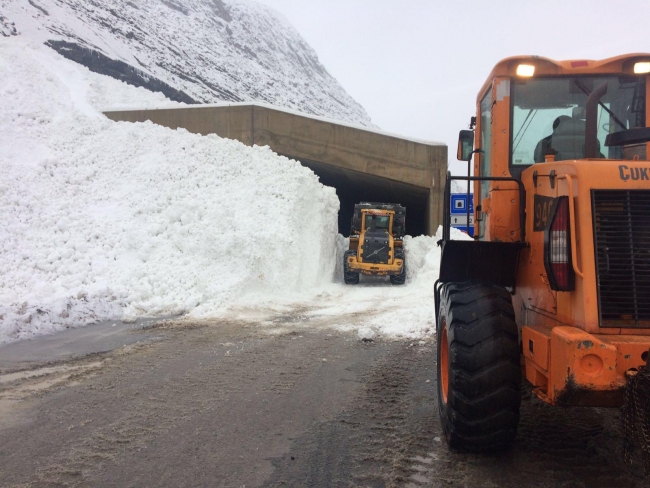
x=561 y=259
x=377 y=222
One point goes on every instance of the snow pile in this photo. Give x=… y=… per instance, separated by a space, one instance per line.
x=208 y=50
x=103 y=220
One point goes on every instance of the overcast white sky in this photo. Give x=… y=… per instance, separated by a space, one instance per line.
x=417 y=65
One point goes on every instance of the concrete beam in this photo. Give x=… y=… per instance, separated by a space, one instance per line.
x=305 y=138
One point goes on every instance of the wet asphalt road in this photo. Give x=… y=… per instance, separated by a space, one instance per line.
x=235 y=404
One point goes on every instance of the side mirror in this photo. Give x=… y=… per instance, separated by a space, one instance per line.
x=465 y=145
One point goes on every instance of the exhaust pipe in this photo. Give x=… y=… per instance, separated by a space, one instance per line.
x=591 y=124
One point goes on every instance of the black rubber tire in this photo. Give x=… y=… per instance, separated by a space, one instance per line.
x=481 y=412
x=349 y=277
x=399 y=279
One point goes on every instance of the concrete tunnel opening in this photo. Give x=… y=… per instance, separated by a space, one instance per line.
x=353 y=187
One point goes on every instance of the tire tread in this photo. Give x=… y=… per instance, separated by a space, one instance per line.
x=482 y=408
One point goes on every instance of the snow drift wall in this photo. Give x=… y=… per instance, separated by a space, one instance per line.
x=103 y=220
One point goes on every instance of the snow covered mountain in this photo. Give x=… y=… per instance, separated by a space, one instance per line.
x=194 y=51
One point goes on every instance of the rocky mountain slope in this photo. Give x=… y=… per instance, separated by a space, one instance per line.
x=194 y=51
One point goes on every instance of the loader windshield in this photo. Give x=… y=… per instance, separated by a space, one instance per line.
x=548 y=115
x=377 y=222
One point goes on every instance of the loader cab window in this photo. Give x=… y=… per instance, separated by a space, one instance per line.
x=486 y=142
x=486 y=148
x=548 y=116
x=377 y=222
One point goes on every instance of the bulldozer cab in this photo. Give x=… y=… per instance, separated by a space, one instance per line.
x=374 y=221
x=534 y=110
x=385 y=216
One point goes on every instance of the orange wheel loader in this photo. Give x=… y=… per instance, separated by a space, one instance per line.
x=555 y=287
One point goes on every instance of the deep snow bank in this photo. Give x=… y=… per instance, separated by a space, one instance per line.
x=104 y=220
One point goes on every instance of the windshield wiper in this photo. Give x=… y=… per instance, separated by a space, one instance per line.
x=523 y=128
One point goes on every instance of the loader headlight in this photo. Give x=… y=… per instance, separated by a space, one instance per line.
x=526 y=70
x=642 y=67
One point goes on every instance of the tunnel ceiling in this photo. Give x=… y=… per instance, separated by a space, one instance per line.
x=353 y=187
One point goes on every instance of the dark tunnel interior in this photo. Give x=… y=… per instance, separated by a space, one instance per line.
x=353 y=187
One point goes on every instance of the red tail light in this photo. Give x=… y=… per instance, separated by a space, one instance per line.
x=557 y=248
